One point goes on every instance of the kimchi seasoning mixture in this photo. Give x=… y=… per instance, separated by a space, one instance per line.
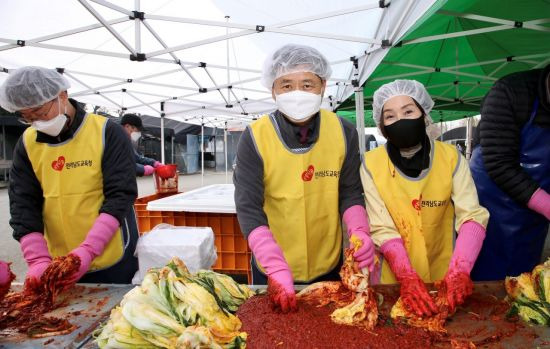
x=311 y=327
x=480 y=322
x=23 y=311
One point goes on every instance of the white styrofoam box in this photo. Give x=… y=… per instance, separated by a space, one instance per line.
x=216 y=198
x=193 y=245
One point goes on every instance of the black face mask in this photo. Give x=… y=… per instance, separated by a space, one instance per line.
x=406 y=133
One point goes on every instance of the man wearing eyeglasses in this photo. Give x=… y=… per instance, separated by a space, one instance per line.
x=72 y=181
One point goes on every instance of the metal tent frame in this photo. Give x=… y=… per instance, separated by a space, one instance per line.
x=203 y=98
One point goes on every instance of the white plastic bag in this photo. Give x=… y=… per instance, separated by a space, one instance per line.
x=194 y=245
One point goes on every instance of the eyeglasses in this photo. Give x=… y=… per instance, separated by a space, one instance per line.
x=28 y=116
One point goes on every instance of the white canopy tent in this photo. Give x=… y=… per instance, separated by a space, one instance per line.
x=198 y=62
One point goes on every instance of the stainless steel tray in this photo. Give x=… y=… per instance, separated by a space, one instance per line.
x=88 y=306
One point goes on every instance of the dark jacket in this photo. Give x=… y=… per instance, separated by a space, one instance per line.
x=141 y=161
x=248 y=176
x=119 y=181
x=506 y=109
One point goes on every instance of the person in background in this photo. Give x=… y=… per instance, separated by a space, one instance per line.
x=72 y=181
x=296 y=176
x=417 y=192
x=511 y=170
x=133 y=126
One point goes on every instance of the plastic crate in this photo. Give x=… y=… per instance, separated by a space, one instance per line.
x=233 y=252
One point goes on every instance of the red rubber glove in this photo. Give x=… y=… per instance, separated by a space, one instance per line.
x=35 y=252
x=459 y=286
x=414 y=294
x=280 y=287
x=97 y=239
x=280 y=296
x=148 y=170
x=357 y=223
x=467 y=247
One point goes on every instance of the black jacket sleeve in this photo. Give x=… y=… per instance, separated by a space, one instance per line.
x=350 y=189
x=500 y=129
x=248 y=178
x=141 y=161
x=140 y=170
x=118 y=166
x=25 y=195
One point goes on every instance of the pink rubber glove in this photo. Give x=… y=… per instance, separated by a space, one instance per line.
x=540 y=202
x=97 y=239
x=5 y=273
x=414 y=294
x=35 y=252
x=148 y=170
x=6 y=277
x=357 y=222
x=467 y=247
x=157 y=164
x=280 y=281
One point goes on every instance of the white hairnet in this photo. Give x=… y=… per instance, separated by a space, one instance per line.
x=293 y=58
x=30 y=87
x=411 y=88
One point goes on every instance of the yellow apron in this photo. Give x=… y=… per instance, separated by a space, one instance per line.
x=421 y=209
x=72 y=184
x=301 y=195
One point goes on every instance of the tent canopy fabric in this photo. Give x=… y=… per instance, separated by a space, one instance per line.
x=198 y=62
x=461 y=50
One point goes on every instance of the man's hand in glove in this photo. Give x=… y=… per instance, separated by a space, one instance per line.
x=415 y=296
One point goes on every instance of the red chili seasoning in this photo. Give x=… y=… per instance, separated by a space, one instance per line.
x=311 y=327
x=23 y=311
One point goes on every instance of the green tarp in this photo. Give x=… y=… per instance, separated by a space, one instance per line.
x=505 y=36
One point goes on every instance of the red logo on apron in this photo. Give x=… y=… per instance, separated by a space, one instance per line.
x=308 y=174
x=59 y=163
x=417 y=203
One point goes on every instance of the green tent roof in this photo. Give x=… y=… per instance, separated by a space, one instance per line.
x=461 y=50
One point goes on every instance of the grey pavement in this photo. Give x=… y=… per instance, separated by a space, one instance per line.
x=9 y=248
x=10 y=251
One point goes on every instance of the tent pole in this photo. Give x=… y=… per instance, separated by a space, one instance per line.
x=359 y=108
x=202 y=152
x=228 y=70
x=251 y=29
x=107 y=26
x=469 y=134
x=215 y=134
x=162 y=132
x=137 y=27
x=224 y=149
x=3 y=142
x=360 y=119
x=4 y=149
x=172 y=141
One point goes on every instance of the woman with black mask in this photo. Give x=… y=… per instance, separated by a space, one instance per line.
x=418 y=193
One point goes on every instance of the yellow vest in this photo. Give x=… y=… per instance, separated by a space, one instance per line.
x=301 y=195
x=72 y=184
x=421 y=208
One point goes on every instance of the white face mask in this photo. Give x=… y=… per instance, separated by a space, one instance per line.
x=298 y=105
x=135 y=136
x=53 y=126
